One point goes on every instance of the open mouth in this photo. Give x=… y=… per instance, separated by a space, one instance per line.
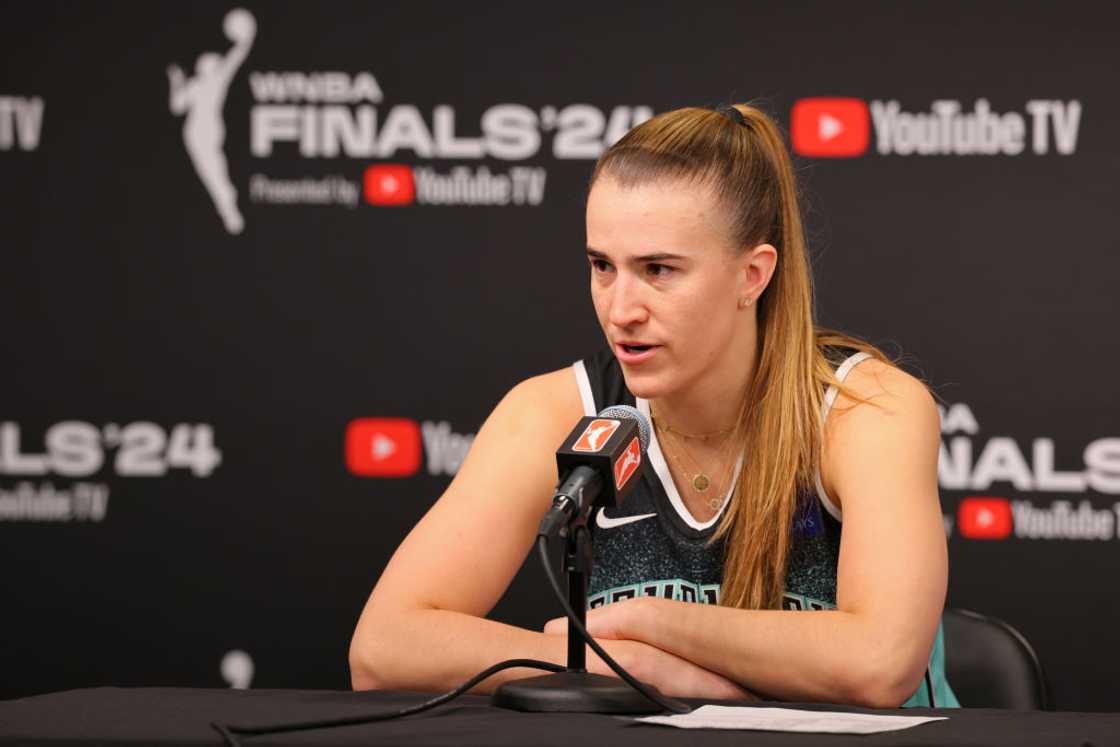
x=636 y=348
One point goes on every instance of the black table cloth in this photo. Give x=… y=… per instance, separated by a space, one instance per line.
x=162 y=717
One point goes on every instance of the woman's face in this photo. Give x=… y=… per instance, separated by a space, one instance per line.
x=666 y=282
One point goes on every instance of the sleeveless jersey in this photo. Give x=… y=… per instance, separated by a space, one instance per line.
x=652 y=546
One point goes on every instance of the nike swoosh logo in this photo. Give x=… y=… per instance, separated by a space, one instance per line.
x=605 y=522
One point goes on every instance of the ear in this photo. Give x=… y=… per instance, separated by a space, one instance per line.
x=756 y=268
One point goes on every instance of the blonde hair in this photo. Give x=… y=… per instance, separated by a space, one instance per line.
x=779 y=432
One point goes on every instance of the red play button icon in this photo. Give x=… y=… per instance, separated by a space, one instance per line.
x=387 y=184
x=985 y=518
x=830 y=127
x=383 y=447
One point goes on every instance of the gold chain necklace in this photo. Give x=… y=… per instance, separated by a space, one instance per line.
x=700 y=480
x=701 y=436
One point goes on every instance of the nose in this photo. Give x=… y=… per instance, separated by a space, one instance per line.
x=626 y=305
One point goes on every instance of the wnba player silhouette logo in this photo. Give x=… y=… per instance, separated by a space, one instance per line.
x=597 y=433
x=202 y=99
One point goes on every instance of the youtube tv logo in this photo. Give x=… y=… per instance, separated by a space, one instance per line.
x=389 y=184
x=383 y=447
x=985 y=518
x=830 y=127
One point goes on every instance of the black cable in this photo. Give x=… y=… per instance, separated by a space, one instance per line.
x=229 y=731
x=929 y=689
x=673 y=706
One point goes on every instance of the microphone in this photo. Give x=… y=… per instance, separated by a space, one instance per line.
x=597 y=464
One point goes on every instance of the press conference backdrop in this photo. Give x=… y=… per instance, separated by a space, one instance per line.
x=267 y=269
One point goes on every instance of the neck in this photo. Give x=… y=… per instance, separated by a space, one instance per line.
x=710 y=403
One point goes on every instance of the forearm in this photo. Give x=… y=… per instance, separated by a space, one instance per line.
x=436 y=650
x=831 y=655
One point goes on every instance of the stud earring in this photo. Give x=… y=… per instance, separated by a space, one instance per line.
x=744 y=302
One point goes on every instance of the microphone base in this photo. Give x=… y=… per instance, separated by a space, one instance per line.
x=573 y=692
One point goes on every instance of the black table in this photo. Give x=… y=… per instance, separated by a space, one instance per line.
x=159 y=717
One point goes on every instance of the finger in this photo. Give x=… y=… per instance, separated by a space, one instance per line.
x=728 y=690
x=556 y=626
x=602 y=622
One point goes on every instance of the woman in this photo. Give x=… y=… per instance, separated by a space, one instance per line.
x=701 y=283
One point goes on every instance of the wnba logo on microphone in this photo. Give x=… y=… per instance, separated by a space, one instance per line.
x=596 y=435
x=627 y=464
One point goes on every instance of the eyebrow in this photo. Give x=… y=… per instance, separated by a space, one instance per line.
x=657 y=257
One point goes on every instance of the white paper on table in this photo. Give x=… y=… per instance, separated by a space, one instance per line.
x=788 y=719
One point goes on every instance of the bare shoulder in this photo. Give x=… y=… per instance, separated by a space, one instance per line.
x=883 y=421
x=549 y=394
x=539 y=408
x=875 y=389
x=554 y=389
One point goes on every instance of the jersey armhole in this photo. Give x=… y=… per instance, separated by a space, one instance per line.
x=584 y=384
x=829 y=399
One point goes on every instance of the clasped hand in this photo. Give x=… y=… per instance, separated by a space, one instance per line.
x=617 y=628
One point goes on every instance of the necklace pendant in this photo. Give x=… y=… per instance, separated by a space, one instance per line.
x=715 y=503
x=701 y=482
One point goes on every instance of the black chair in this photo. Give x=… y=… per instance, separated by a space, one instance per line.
x=989 y=664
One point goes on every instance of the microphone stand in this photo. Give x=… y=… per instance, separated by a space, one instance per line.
x=575 y=690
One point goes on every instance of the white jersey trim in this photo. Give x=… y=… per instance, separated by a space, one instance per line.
x=661 y=467
x=829 y=398
x=584 y=384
